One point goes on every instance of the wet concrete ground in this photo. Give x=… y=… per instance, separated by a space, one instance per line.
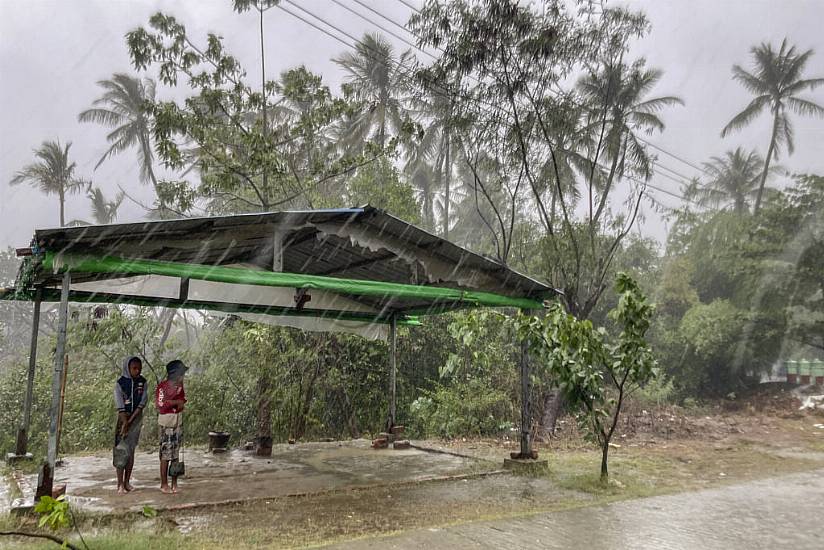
x=5 y=495
x=239 y=475
x=784 y=512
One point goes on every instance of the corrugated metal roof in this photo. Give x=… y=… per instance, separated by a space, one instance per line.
x=316 y=242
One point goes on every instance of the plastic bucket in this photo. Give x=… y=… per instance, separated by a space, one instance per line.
x=218 y=440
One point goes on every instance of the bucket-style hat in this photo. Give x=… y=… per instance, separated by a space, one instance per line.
x=176 y=368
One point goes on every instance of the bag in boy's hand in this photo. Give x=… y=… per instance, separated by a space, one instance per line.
x=177 y=468
x=120 y=455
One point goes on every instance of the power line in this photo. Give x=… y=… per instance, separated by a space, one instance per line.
x=663 y=175
x=686 y=179
x=646 y=141
x=654 y=162
x=404 y=28
x=406 y=74
x=410 y=6
x=673 y=155
x=384 y=29
x=324 y=31
x=441 y=87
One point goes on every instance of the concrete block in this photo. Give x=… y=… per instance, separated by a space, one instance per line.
x=397 y=430
x=517 y=455
x=21 y=506
x=12 y=458
x=526 y=466
x=400 y=445
x=380 y=443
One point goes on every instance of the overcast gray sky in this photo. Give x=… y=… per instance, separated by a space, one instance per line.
x=52 y=52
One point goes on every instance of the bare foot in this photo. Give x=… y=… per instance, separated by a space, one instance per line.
x=174 y=489
x=129 y=487
x=166 y=490
x=121 y=491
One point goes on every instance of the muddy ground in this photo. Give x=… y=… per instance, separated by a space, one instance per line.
x=658 y=450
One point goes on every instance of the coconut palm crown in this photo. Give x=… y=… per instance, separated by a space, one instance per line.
x=775 y=80
x=52 y=173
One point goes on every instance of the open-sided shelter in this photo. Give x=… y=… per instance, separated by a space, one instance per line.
x=357 y=270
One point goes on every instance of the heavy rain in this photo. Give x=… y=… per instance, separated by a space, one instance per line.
x=405 y=273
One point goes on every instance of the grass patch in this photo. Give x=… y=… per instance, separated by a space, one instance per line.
x=636 y=473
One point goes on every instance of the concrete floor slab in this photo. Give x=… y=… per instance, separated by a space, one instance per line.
x=239 y=475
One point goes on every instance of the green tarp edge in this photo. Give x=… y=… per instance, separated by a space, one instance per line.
x=220 y=274
x=53 y=295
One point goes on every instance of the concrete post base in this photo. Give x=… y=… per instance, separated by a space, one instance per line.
x=526 y=466
x=14 y=458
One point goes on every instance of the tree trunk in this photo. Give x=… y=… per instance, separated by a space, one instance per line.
x=300 y=423
x=553 y=404
x=447 y=166
x=604 y=454
x=767 y=160
x=264 y=414
x=166 y=331
x=62 y=197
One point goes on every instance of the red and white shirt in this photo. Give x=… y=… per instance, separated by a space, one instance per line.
x=167 y=391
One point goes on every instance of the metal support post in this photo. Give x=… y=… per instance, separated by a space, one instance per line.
x=57 y=374
x=393 y=352
x=277 y=250
x=526 y=417
x=23 y=432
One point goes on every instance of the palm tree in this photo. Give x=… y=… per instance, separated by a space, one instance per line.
x=734 y=181
x=775 y=81
x=377 y=81
x=444 y=149
x=52 y=173
x=104 y=211
x=123 y=108
x=616 y=95
x=421 y=176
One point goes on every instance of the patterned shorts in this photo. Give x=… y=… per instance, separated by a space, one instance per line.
x=170 y=439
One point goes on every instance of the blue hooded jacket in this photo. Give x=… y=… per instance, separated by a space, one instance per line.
x=130 y=393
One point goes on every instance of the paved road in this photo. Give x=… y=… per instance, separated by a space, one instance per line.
x=785 y=512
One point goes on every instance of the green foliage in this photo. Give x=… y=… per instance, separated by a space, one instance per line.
x=712 y=329
x=476 y=392
x=376 y=82
x=720 y=327
x=656 y=392
x=555 y=158
x=54 y=512
x=379 y=184
x=484 y=345
x=470 y=407
x=123 y=109
x=595 y=372
x=254 y=149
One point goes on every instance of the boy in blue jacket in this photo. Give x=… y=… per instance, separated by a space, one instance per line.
x=130 y=393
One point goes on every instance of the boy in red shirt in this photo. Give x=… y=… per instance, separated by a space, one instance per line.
x=170 y=399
